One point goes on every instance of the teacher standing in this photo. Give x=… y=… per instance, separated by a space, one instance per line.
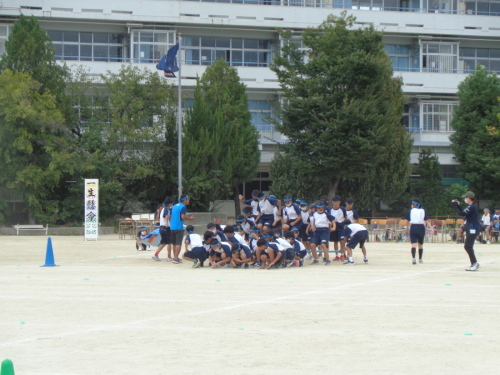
x=472 y=226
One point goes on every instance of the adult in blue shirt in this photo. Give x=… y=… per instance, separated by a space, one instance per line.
x=472 y=227
x=178 y=215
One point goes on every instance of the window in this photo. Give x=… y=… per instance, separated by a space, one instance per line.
x=4 y=35
x=440 y=57
x=87 y=46
x=437 y=116
x=150 y=46
x=261 y=111
x=403 y=57
x=235 y=51
x=411 y=118
x=483 y=7
x=470 y=58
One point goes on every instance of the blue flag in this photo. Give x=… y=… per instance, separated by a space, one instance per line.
x=168 y=62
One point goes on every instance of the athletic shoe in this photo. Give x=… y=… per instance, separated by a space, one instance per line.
x=458 y=241
x=488 y=242
x=365 y=260
x=348 y=263
x=246 y=266
x=474 y=267
x=283 y=265
x=336 y=259
x=156 y=258
x=301 y=263
x=327 y=262
x=176 y=261
x=289 y=264
x=413 y=261
x=196 y=264
x=342 y=258
x=420 y=261
x=256 y=264
x=308 y=256
x=314 y=262
x=225 y=265
x=169 y=259
x=296 y=263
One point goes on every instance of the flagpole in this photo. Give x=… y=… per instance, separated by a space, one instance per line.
x=179 y=119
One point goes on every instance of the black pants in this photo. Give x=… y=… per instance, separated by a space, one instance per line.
x=469 y=246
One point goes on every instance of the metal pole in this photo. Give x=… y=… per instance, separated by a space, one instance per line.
x=179 y=119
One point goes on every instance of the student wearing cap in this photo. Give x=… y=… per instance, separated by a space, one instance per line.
x=165 y=230
x=486 y=224
x=471 y=228
x=266 y=208
x=254 y=202
x=417 y=217
x=195 y=251
x=337 y=236
x=178 y=215
x=321 y=225
x=220 y=253
x=291 y=214
x=357 y=235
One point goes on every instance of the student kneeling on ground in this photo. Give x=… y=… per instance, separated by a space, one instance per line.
x=220 y=253
x=241 y=255
x=195 y=247
x=271 y=254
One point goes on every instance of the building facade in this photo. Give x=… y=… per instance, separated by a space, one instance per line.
x=433 y=45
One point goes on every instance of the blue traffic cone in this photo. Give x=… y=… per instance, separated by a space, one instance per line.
x=7 y=367
x=49 y=255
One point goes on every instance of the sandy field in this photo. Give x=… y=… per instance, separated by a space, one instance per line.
x=108 y=309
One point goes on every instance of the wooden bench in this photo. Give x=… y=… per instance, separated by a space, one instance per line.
x=31 y=227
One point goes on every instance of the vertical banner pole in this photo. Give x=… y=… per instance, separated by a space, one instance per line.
x=91 y=204
x=179 y=118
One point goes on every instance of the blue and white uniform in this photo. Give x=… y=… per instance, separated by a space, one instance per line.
x=224 y=249
x=340 y=215
x=352 y=215
x=417 y=217
x=299 y=249
x=290 y=214
x=267 y=208
x=321 y=223
x=196 y=246
x=254 y=204
x=357 y=234
x=165 y=226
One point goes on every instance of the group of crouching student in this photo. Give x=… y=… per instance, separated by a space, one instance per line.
x=274 y=234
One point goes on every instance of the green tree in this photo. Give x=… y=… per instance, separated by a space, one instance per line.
x=428 y=186
x=29 y=50
x=477 y=132
x=342 y=109
x=126 y=134
x=32 y=143
x=220 y=147
x=289 y=175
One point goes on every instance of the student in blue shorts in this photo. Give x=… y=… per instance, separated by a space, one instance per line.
x=266 y=208
x=304 y=235
x=417 y=217
x=321 y=225
x=164 y=217
x=220 y=253
x=195 y=250
x=298 y=247
x=241 y=255
x=357 y=234
x=288 y=252
x=271 y=254
x=291 y=214
x=337 y=236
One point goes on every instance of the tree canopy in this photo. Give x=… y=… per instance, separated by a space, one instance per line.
x=342 y=109
x=220 y=145
x=477 y=132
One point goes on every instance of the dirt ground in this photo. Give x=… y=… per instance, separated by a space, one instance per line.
x=108 y=309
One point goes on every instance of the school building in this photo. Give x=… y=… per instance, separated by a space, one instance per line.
x=433 y=45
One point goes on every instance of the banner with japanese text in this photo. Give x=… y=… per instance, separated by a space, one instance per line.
x=91 y=195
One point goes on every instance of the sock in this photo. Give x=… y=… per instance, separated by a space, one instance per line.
x=350 y=259
x=413 y=252
x=157 y=253
x=420 y=253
